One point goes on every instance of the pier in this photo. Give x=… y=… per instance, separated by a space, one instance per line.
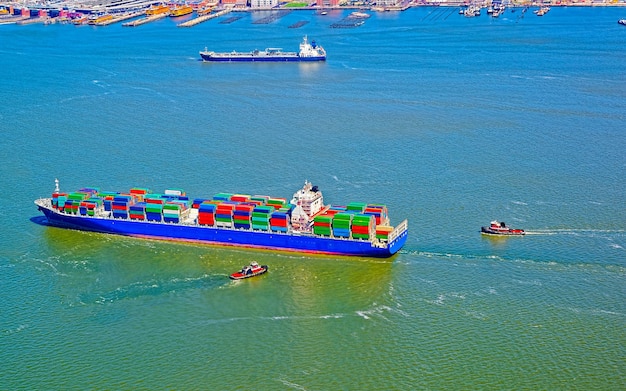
x=12 y=19
x=145 y=20
x=117 y=19
x=204 y=18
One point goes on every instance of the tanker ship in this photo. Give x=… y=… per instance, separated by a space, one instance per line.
x=308 y=52
x=304 y=224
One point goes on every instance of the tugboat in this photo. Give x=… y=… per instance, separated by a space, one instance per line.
x=500 y=228
x=251 y=270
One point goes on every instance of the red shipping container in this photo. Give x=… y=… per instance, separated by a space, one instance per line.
x=361 y=230
x=206 y=220
x=244 y=207
x=278 y=222
x=240 y=198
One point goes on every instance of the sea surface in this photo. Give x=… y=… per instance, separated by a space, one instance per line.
x=449 y=121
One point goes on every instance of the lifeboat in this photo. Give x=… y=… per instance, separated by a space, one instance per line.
x=251 y=270
x=500 y=228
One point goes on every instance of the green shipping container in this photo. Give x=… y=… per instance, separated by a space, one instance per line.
x=358 y=206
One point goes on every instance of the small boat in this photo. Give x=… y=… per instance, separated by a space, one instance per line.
x=542 y=11
x=500 y=228
x=359 y=15
x=471 y=11
x=622 y=22
x=82 y=19
x=205 y=10
x=251 y=270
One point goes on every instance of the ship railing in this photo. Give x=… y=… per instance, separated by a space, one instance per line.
x=400 y=228
x=45 y=202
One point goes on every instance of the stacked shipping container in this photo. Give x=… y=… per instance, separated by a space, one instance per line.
x=355 y=220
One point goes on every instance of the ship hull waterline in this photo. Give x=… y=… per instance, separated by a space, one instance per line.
x=223 y=236
x=209 y=58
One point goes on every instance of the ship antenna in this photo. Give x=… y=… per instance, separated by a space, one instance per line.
x=56 y=186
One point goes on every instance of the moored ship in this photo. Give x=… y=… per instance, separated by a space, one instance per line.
x=181 y=10
x=100 y=19
x=304 y=224
x=308 y=52
x=157 y=9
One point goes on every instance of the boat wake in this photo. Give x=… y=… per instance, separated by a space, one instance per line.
x=477 y=260
x=152 y=288
x=575 y=232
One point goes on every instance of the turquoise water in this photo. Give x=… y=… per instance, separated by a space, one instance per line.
x=451 y=122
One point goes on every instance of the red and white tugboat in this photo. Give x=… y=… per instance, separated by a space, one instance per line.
x=251 y=270
x=500 y=228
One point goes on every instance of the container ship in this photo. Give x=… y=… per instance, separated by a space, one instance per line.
x=308 y=52
x=304 y=224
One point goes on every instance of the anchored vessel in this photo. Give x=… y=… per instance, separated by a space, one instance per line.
x=305 y=224
x=308 y=52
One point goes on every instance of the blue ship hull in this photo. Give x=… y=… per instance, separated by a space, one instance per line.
x=224 y=236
